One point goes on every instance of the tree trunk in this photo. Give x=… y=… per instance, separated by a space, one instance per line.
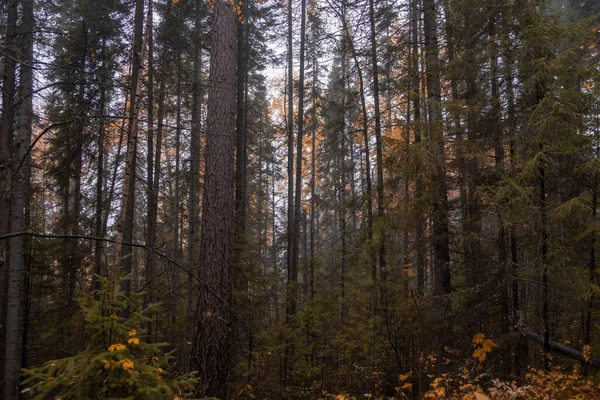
x=241 y=161
x=123 y=254
x=150 y=222
x=588 y=329
x=291 y=301
x=365 y=131
x=98 y=231
x=194 y=183
x=154 y=190
x=6 y=145
x=440 y=240
x=20 y=184
x=378 y=140
x=421 y=246
x=211 y=350
x=299 y=150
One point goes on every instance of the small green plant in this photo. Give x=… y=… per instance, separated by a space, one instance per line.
x=118 y=363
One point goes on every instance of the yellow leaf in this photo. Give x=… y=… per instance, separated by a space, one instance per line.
x=133 y=340
x=117 y=347
x=478 y=338
x=481 y=396
x=132 y=332
x=127 y=364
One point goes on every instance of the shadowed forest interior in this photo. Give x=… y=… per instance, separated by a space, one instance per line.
x=299 y=199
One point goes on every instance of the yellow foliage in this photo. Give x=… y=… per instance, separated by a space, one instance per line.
x=587 y=353
x=133 y=340
x=538 y=384
x=482 y=347
x=132 y=332
x=127 y=364
x=117 y=347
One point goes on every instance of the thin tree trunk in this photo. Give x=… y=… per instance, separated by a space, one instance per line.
x=421 y=246
x=123 y=254
x=98 y=231
x=503 y=263
x=241 y=161
x=154 y=190
x=290 y=303
x=440 y=240
x=378 y=140
x=150 y=221
x=175 y=214
x=299 y=150
x=194 y=183
x=365 y=131
x=544 y=259
x=588 y=330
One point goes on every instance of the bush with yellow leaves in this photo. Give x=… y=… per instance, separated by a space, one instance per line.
x=117 y=364
x=474 y=384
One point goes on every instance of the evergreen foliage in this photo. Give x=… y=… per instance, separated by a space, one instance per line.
x=118 y=363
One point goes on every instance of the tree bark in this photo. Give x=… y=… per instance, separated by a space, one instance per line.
x=440 y=239
x=20 y=184
x=421 y=246
x=6 y=144
x=123 y=254
x=211 y=351
x=378 y=140
x=150 y=221
x=194 y=183
x=291 y=300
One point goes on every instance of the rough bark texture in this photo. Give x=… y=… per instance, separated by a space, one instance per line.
x=211 y=352
x=6 y=138
x=19 y=190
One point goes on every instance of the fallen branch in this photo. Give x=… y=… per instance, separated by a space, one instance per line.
x=564 y=350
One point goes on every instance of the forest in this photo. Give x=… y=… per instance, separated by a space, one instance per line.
x=299 y=199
